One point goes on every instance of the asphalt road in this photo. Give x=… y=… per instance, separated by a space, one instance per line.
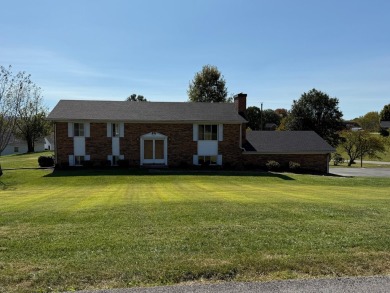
x=361 y=172
x=339 y=285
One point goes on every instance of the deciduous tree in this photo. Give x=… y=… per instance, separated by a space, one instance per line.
x=369 y=122
x=136 y=98
x=316 y=111
x=208 y=85
x=358 y=144
x=12 y=88
x=31 y=121
x=385 y=113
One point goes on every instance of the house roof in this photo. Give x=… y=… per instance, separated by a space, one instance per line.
x=286 y=142
x=71 y=110
x=385 y=124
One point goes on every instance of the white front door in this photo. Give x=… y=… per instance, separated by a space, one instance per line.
x=154 y=149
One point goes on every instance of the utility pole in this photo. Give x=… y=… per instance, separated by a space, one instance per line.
x=261 y=116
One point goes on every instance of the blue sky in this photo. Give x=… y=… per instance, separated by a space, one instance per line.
x=271 y=50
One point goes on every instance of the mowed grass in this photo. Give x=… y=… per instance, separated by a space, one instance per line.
x=104 y=229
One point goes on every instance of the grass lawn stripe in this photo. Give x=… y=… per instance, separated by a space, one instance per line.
x=87 y=229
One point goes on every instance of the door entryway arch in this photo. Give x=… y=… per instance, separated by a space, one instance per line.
x=154 y=149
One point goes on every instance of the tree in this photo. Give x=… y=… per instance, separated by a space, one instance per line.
x=316 y=111
x=31 y=121
x=269 y=116
x=385 y=113
x=358 y=144
x=369 y=122
x=208 y=85
x=136 y=98
x=281 y=112
x=11 y=93
x=253 y=115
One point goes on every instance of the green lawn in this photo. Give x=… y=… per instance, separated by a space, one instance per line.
x=77 y=230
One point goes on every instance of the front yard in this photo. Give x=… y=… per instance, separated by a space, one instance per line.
x=83 y=229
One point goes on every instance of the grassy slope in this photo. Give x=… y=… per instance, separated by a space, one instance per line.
x=78 y=230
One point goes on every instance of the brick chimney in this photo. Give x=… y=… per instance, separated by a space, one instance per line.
x=240 y=104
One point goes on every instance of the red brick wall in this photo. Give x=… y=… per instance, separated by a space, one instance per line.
x=230 y=148
x=63 y=144
x=181 y=146
x=314 y=162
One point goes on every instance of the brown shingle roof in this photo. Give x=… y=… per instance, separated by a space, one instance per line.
x=286 y=142
x=68 y=110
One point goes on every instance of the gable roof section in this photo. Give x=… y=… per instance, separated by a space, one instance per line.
x=286 y=142
x=72 y=110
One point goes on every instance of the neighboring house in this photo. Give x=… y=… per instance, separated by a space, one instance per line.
x=167 y=134
x=385 y=124
x=19 y=146
x=49 y=142
x=270 y=126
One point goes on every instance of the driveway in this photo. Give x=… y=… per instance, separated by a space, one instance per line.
x=361 y=172
x=339 y=285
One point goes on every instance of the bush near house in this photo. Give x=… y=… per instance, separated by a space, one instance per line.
x=45 y=161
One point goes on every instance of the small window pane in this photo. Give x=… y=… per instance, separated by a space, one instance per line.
x=78 y=160
x=78 y=129
x=159 y=149
x=201 y=132
x=148 y=149
x=207 y=132
x=214 y=132
x=115 y=129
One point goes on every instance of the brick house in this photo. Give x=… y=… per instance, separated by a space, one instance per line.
x=167 y=134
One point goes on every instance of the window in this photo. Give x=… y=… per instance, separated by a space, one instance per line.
x=115 y=129
x=78 y=160
x=208 y=132
x=115 y=160
x=207 y=160
x=16 y=149
x=78 y=129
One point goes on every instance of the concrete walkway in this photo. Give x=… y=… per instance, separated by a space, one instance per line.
x=339 y=285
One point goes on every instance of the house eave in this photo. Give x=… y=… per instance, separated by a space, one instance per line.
x=147 y=121
x=313 y=152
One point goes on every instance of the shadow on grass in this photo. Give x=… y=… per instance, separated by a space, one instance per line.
x=162 y=172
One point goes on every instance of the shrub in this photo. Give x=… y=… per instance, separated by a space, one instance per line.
x=273 y=165
x=45 y=161
x=337 y=159
x=294 y=166
x=384 y=132
x=87 y=164
x=123 y=163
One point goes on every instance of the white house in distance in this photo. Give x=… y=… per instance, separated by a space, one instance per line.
x=19 y=146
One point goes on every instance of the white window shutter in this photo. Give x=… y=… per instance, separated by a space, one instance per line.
x=87 y=157
x=109 y=158
x=109 y=129
x=195 y=159
x=195 y=132
x=70 y=129
x=121 y=129
x=87 y=129
x=219 y=160
x=71 y=160
x=220 y=132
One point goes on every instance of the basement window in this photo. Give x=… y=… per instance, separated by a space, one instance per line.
x=79 y=160
x=207 y=160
